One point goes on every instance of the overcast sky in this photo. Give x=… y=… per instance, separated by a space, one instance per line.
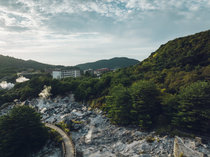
x=70 y=32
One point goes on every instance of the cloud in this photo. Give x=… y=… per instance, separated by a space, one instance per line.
x=56 y=31
x=71 y=15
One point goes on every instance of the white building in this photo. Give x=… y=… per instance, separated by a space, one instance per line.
x=71 y=73
x=59 y=74
x=56 y=74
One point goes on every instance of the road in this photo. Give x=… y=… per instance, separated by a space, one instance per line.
x=67 y=142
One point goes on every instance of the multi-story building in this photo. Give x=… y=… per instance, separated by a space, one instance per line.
x=71 y=73
x=59 y=74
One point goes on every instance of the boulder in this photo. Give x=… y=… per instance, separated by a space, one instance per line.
x=198 y=141
x=181 y=150
x=120 y=155
x=145 y=155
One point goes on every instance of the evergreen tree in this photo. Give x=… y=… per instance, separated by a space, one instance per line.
x=194 y=108
x=21 y=132
x=119 y=105
x=145 y=103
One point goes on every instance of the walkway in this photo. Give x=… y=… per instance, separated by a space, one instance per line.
x=67 y=142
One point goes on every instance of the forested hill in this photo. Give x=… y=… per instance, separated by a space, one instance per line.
x=178 y=62
x=117 y=62
x=11 y=62
x=10 y=65
x=192 y=50
x=169 y=90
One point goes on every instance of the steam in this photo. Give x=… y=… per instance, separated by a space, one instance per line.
x=45 y=92
x=6 y=85
x=21 y=79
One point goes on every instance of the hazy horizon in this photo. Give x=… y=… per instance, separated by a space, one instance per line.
x=69 y=65
x=71 y=32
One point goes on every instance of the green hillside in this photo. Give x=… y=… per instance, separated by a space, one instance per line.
x=114 y=63
x=171 y=88
x=178 y=62
x=10 y=66
x=191 y=50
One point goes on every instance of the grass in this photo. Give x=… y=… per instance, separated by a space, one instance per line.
x=77 y=122
x=150 y=139
x=64 y=127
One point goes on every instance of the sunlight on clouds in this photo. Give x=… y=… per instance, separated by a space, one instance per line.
x=59 y=30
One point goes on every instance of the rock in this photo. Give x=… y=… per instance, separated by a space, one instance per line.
x=163 y=155
x=145 y=147
x=120 y=155
x=198 y=141
x=145 y=155
x=26 y=103
x=77 y=126
x=95 y=136
x=66 y=100
x=181 y=150
x=50 y=149
x=43 y=110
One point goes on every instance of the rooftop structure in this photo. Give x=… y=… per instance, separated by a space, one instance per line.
x=98 y=72
x=59 y=74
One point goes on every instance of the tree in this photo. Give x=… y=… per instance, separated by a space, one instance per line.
x=21 y=132
x=119 y=105
x=145 y=103
x=194 y=108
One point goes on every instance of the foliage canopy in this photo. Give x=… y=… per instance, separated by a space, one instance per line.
x=21 y=132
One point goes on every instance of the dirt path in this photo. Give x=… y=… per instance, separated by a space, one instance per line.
x=67 y=142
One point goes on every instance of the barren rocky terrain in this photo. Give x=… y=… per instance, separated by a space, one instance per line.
x=95 y=136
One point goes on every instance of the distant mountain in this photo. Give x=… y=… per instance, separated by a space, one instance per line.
x=10 y=66
x=118 y=62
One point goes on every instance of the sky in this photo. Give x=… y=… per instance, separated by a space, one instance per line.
x=70 y=32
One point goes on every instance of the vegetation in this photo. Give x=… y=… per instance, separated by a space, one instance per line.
x=118 y=62
x=119 y=105
x=55 y=137
x=10 y=66
x=193 y=110
x=145 y=103
x=169 y=90
x=150 y=139
x=64 y=127
x=21 y=132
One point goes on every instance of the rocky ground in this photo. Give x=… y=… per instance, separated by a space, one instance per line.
x=95 y=136
x=49 y=150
